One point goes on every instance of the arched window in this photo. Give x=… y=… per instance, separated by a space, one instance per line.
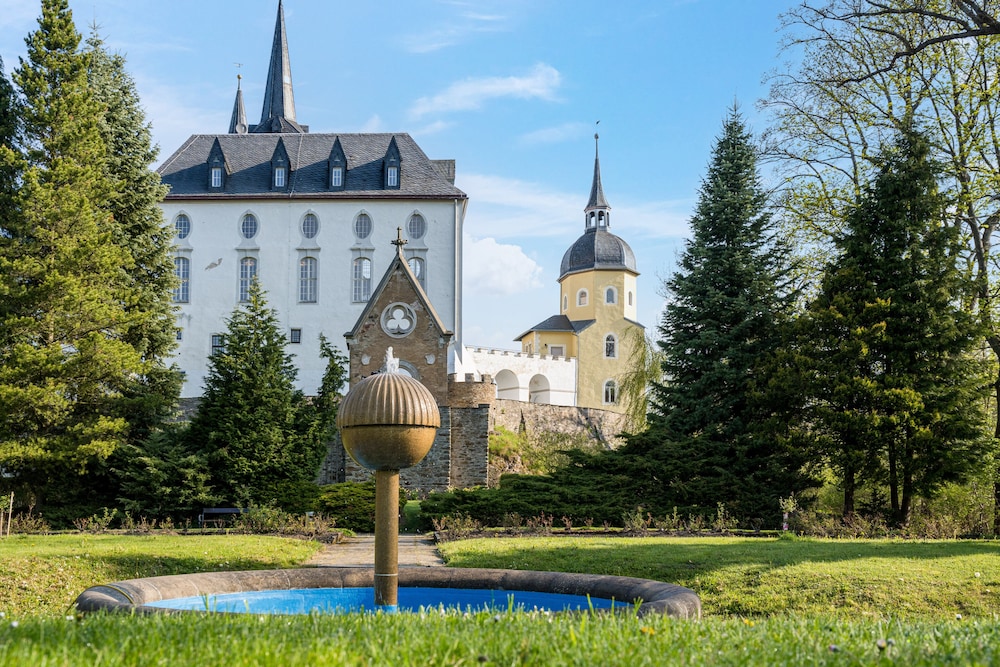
x=248 y=228
x=248 y=273
x=610 y=296
x=361 y=277
x=363 y=226
x=630 y=298
x=310 y=226
x=610 y=346
x=610 y=392
x=416 y=227
x=307 y=280
x=581 y=298
x=565 y=301
x=182 y=224
x=417 y=266
x=182 y=269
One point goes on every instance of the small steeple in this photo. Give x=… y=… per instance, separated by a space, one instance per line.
x=238 y=123
x=278 y=114
x=598 y=211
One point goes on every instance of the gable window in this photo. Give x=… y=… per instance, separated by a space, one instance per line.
x=295 y=336
x=417 y=266
x=182 y=224
x=416 y=227
x=361 y=279
x=279 y=177
x=610 y=392
x=307 y=280
x=216 y=177
x=581 y=298
x=336 y=177
x=310 y=226
x=248 y=273
x=218 y=344
x=610 y=296
x=392 y=177
x=610 y=347
x=182 y=269
x=248 y=228
x=363 y=226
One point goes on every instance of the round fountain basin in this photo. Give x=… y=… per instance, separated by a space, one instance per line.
x=621 y=593
x=352 y=600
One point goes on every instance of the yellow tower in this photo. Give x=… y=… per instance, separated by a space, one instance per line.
x=596 y=323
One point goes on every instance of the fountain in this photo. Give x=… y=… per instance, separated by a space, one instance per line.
x=388 y=422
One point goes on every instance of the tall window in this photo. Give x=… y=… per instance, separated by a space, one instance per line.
x=610 y=392
x=361 y=280
x=565 y=301
x=279 y=177
x=182 y=224
x=216 y=177
x=336 y=177
x=182 y=269
x=307 y=280
x=416 y=227
x=417 y=266
x=248 y=272
x=610 y=346
x=310 y=226
x=218 y=344
x=363 y=226
x=248 y=228
x=392 y=177
x=630 y=298
x=610 y=296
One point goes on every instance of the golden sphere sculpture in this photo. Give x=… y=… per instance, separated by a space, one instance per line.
x=388 y=420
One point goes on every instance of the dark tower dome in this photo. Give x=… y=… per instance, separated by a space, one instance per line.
x=597 y=248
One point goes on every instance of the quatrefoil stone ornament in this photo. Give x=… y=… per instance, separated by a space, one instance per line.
x=398 y=320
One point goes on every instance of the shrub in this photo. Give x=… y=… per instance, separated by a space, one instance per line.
x=352 y=504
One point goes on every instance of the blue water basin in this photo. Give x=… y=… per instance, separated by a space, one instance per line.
x=347 y=600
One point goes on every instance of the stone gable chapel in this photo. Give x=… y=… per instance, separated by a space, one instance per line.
x=358 y=236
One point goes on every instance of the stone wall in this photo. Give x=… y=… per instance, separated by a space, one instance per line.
x=516 y=416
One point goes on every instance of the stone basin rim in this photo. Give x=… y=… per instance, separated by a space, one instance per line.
x=131 y=595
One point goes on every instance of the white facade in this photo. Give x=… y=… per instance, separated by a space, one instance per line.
x=519 y=376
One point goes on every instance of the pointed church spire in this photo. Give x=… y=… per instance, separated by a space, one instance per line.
x=238 y=123
x=278 y=114
x=598 y=211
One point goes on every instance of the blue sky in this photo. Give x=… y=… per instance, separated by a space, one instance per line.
x=512 y=90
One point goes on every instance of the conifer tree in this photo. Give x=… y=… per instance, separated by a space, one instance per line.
x=897 y=389
x=9 y=141
x=63 y=360
x=138 y=228
x=727 y=304
x=255 y=428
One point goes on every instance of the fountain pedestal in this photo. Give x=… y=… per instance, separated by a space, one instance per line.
x=388 y=422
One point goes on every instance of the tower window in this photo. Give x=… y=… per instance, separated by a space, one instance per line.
x=307 y=280
x=361 y=280
x=610 y=296
x=610 y=347
x=565 y=301
x=310 y=226
x=182 y=269
x=630 y=298
x=581 y=298
x=610 y=392
x=182 y=224
x=248 y=273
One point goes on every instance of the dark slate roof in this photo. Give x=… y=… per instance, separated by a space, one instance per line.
x=248 y=167
x=559 y=323
x=597 y=249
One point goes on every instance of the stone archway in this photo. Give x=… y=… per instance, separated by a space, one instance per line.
x=508 y=386
x=539 y=390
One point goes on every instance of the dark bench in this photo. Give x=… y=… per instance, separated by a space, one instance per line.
x=218 y=517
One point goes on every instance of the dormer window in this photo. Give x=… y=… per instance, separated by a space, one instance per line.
x=280 y=174
x=392 y=176
x=336 y=176
x=390 y=165
x=216 y=167
x=338 y=166
x=216 y=172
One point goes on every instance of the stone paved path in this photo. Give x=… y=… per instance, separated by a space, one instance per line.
x=359 y=551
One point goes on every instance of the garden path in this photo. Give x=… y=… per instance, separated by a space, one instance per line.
x=359 y=551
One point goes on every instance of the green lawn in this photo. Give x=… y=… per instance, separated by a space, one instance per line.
x=767 y=602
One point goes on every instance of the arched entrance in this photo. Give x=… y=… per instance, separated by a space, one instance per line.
x=507 y=385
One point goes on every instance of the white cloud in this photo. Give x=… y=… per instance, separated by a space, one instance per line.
x=373 y=124
x=470 y=94
x=507 y=207
x=555 y=135
x=497 y=269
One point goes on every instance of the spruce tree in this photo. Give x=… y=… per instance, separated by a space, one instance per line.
x=727 y=304
x=256 y=430
x=898 y=388
x=138 y=228
x=9 y=141
x=63 y=360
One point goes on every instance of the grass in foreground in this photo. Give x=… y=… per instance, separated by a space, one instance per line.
x=769 y=576
x=41 y=575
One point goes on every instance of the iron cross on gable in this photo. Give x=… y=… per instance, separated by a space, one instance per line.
x=400 y=241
